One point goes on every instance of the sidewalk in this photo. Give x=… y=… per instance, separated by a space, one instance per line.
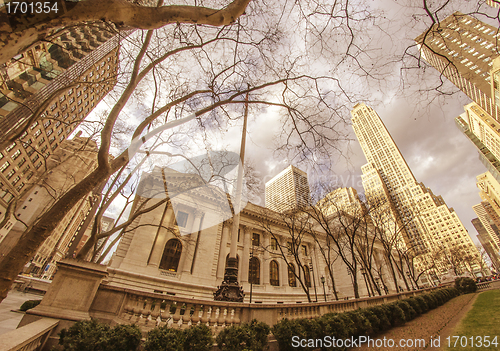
x=9 y=320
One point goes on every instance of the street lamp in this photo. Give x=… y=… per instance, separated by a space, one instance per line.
x=323 y=282
x=251 y=277
x=314 y=280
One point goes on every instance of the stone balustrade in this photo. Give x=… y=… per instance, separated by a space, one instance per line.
x=149 y=310
x=30 y=337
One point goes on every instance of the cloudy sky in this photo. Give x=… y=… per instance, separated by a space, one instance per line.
x=420 y=121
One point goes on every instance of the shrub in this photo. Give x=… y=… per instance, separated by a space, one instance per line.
x=258 y=332
x=374 y=320
x=29 y=304
x=283 y=331
x=465 y=285
x=352 y=323
x=430 y=300
x=84 y=336
x=123 y=337
x=407 y=309
x=397 y=316
x=164 y=338
x=423 y=303
x=198 y=338
x=340 y=325
x=249 y=336
x=416 y=306
x=383 y=313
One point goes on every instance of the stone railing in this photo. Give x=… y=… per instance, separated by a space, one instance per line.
x=494 y=284
x=149 y=310
x=30 y=337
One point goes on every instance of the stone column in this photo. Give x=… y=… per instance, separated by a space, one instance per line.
x=245 y=259
x=161 y=237
x=223 y=249
x=189 y=242
x=283 y=265
x=266 y=259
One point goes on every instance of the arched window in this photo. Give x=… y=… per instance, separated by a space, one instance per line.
x=274 y=275
x=307 y=276
x=292 y=281
x=254 y=271
x=171 y=255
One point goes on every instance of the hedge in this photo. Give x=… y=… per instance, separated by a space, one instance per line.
x=366 y=321
x=29 y=304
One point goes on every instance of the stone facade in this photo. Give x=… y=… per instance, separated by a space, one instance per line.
x=180 y=248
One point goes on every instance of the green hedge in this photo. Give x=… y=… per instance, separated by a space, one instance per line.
x=465 y=285
x=247 y=336
x=366 y=321
x=27 y=305
x=95 y=336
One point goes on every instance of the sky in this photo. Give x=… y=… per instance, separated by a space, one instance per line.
x=420 y=122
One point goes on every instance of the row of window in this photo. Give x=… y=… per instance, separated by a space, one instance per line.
x=172 y=255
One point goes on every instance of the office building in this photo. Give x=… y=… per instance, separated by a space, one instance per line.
x=489 y=245
x=428 y=225
x=288 y=190
x=64 y=80
x=463 y=49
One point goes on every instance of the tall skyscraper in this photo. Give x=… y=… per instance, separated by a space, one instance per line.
x=65 y=79
x=429 y=225
x=463 y=49
x=483 y=131
x=288 y=190
x=489 y=245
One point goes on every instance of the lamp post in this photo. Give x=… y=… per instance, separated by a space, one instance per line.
x=323 y=282
x=251 y=277
x=314 y=280
x=230 y=289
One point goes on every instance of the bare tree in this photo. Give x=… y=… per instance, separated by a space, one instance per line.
x=290 y=234
x=204 y=72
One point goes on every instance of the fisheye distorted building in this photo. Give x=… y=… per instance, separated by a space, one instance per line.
x=63 y=81
x=288 y=190
x=429 y=227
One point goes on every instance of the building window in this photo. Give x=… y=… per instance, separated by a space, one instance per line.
x=304 y=250
x=4 y=166
x=255 y=239
x=171 y=255
x=307 y=276
x=292 y=281
x=274 y=275
x=10 y=174
x=274 y=244
x=10 y=147
x=16 y=154
x=254 y=271
x=181 y=218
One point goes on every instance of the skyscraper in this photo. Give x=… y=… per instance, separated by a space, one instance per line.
x=483 y=131
x=429 y=225
x=64 y=80
x=463 y=49
x=288 y=190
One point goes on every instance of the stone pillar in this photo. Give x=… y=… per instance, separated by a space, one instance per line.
x=161 y=237
x=245 y=259
x=283 y=265
x=266 y=259
x=71 y=293
x=189 y=242
x=223 y=249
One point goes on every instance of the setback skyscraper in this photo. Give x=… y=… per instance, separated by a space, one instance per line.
x=431 y=230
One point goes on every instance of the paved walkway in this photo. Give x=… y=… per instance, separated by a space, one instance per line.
x=9 y=320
